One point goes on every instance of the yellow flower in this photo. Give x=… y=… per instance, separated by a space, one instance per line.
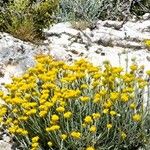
x=42 y=113
x=63 y=136
x=50 y=144
x=35 y=139
x=113 y=113
x=53 y=128
x=95 y=83
x=67 y=115
x=9 y=120
x=15 y=110
x=35 y=145
x=71 y=93
x=60 y=109
x=96 y=115
x=109 y=126
x=114 y=95
x=23 y=118
x=103 y=92
x=55 y=118
x=42 y=101
x=136 y=117
x=97 y=98
x=34 y=148
x=129 y=89
x=123 y=135
x=147 y=43
x=97 y=76
x=84 y=86
x=24 y=132
x=88 y=119
x=142 y=85
x=124 y=97
x=117 y=70
x=3 y=111
x=132 y=106
x=108 y=104
x=31 y=112
x=93 y=129
x=83 y=125
x=1 y=93
x=84 y=98
x=148 y=72
x=76 y=135
x=105 y=111
x=90 y=148
x=133 y=67
x=1 y=120
x=12 y=129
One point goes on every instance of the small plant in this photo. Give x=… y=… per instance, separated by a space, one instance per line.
x=80 y=25
x=55 y=106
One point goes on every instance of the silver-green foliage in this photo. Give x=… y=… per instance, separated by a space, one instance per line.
x=90 y=10
x=25 y=19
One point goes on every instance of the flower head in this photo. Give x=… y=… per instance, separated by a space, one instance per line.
x=109 y=126
x=88 y=119
x=67 y=115
x=76 y=135
x=90 y=148
x=136 y=117
x=63 y=136
x=92 y=129
x=54 y=118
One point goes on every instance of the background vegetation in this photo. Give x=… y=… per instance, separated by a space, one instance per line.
x=91 y=10
x=25 y=19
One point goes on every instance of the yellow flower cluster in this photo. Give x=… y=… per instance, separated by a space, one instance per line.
x=35 y=144
x=63 y=103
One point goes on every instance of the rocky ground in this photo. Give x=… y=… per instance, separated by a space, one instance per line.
x=106 y=40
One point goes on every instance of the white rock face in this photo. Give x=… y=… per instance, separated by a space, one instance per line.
x=146 y=16
x=108 y=41
x=4 y=145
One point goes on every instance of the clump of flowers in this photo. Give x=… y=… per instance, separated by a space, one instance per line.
x=68 y=107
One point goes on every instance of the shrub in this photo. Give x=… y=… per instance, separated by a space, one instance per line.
x=92 y=10
x=25 y=19
x=87 y=10
x=76 y=107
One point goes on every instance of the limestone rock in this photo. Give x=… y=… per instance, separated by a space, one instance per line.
x=5 y=145
x=146 y=16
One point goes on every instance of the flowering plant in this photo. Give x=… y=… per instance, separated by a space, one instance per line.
x=75 y=107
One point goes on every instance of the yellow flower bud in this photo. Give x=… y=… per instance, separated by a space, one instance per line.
x=109 y=126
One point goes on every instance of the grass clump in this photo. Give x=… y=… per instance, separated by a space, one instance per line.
x=77 y=107
x=26 y=19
